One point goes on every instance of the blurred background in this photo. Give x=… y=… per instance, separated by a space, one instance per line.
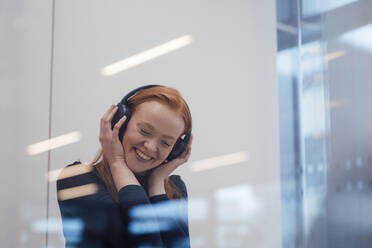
x=278 y=92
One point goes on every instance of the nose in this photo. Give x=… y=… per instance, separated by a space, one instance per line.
x=150 y=145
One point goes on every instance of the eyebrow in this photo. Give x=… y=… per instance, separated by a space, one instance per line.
x=152 y=129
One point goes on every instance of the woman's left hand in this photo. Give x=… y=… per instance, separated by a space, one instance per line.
x=160 y=173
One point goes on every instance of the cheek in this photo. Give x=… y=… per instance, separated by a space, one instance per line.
x=129 y=138
x=165 y=153
x=125 y=141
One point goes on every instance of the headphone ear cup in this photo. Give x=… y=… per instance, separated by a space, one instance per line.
x=179 y=147
x=123 y=110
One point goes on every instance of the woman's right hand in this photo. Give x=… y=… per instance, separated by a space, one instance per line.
x=109 y=138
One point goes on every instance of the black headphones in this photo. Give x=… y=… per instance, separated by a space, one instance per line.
x=123 y=109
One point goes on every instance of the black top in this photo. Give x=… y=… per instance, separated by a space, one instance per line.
x=96 y=220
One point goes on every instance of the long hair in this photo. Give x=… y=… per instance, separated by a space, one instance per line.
x=173 y=99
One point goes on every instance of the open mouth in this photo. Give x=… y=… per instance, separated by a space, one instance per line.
x=142 y=155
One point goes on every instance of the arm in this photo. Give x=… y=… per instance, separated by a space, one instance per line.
x=175 y=213
x=80 y=210
x=140 y=223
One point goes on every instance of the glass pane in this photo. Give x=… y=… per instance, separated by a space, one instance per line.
x=323 y=87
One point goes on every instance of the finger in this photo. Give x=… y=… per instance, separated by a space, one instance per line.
x=188 y=153
x=105 y=127
x=102 y=126
x=117 y=127
x=190 y=141
x=107 y=122
x=182 y=158
x=187 y=149
x=183 y=154
x=112 y=113
x=172 y=165
x=104 y=118
x=187 y=156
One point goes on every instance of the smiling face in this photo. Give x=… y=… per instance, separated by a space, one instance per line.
x=150 y=135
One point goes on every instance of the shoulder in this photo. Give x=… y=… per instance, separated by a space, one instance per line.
x=75 y=174
x=179 y=184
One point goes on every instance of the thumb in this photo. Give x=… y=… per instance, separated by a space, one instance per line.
x=117 y=127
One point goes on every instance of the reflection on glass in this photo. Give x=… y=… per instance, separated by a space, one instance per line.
x=334 y=55
x=78 y=191
x=53 y=143
x=147 y=55
x=316 y=7
x=237 y=203
x=70 y=171
x=199 y=209
x=324 y=96
x=359 y=37
x=219 y=161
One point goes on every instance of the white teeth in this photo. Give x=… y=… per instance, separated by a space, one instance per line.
x=142 y=155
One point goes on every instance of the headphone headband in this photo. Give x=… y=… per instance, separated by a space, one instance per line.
x=133 y=92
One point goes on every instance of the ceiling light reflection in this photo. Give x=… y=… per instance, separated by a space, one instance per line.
x=360 y=37
x=219 y=161
x=70 y=171
x=286 y=28
x=53 y=143
x=54 y=225
x=147 y=55
x=199 y=209
x=316 y=7
x=237 y=203
x=334 y=55
x=78 y=191
x=335 y=104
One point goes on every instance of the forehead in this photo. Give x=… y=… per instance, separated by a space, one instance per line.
x=165 y=120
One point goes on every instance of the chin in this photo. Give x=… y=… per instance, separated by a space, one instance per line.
x=140 y=173
x=136 y=168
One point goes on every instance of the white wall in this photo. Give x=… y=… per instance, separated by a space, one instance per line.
x=227 y=74
x=25 y=79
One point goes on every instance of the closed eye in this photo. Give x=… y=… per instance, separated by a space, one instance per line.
x=165 y=143
x=144 y=132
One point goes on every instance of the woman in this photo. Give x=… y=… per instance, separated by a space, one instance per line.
x=134 y=202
